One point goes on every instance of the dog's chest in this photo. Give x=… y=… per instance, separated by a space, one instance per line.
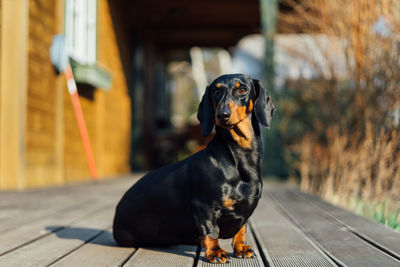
x=240 y=196
x=237 y=204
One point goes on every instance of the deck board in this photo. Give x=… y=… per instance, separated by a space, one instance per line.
x=34 y=207
x=376 y=233
x=284 y=244
x=342 y=246
x=182 y=256
x=21 y=208
x=86 y=199
x=71 y=226
x=101 y=251
x=50 y=248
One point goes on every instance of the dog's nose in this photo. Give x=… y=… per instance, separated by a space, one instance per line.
x=224 y=115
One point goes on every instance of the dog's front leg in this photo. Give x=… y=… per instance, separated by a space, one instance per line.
x=206 y=220
x=214 y=253
x=240 y=248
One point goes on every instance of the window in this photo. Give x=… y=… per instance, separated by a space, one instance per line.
x=80 y=30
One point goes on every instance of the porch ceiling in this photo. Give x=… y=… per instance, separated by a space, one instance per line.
x=185 y=23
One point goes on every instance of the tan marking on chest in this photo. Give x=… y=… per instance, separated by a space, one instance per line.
x=228 y=203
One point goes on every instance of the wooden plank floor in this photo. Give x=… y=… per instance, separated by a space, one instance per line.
x=71 y=226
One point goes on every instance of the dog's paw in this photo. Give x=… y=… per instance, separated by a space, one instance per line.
x=217 y=256
x=243 y=251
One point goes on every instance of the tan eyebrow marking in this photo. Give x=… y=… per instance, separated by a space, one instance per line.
x=218 y=85
x=237 y=85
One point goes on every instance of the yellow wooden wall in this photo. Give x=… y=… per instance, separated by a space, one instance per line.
x=115 y=104
x=1 y=161
x=53 y=152
x=41 y=100
x=1 y=3
x=13 y=86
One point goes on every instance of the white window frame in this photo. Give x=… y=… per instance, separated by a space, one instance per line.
x=81 y=30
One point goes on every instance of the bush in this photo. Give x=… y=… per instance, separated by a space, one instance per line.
x=341 y=134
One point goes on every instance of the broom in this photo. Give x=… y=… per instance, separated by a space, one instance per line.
x=60 y=60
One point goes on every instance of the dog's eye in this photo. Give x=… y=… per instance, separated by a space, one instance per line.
x=242 y=91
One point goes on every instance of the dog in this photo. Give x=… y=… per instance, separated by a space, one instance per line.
x=212 y=193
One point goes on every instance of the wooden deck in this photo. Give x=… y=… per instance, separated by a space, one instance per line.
x=71 y=226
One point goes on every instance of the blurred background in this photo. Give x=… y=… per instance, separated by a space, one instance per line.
x=332 y=67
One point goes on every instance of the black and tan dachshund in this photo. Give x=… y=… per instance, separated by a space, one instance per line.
x=212 y=193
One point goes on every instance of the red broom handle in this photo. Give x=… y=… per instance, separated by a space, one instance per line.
x=72 y=89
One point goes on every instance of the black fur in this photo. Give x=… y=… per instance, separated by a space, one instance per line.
x=264 y=107
x=205 y=114
x=183 y=202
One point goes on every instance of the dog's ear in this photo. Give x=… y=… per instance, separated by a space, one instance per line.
x=264 y=108
x=205 y=114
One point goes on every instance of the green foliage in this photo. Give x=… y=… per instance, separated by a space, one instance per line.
x=380 y=213
x=310 y=107
x=306 y=109
x=274 y=162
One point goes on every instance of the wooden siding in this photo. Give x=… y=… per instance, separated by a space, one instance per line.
x=41 y=109
x=52 y=149
x=114 y=108
x=1 y=30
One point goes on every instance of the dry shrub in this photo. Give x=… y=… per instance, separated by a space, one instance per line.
x=350 y=146
x=341 y=169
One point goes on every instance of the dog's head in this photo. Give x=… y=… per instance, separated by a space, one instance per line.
x=230 y=99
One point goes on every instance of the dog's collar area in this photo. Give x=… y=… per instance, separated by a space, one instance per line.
x=231 y=126
x=239 y=132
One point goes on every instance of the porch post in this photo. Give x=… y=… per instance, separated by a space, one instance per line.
x=269 y=11
x=274 y=163
x=13 y=92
